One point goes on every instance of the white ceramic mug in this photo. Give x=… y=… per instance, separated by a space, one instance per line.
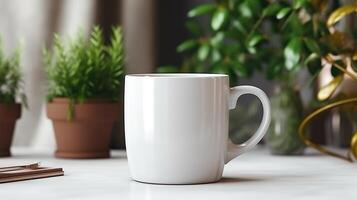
x=176 y=126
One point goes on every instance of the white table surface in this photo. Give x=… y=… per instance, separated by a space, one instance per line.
x=255 y=175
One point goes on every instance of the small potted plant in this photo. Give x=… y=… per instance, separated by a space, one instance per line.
x=10 y=91
x=84 y=87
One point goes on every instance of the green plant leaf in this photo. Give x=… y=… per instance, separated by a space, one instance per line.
x=219 y=18
x=239 y=26
x=283 y=13
x=255 y=39
x=186 y=45
x=271 y=9
x=232 y=4
x=299 y=3
x=201 y=9
x=292 y=53
x=203 y=52
x=274 y=70
x=216 y=55
x=194 y=28
x=220 y=69
x=252 y=50
x=245 y=10
x=239 y=69
x=250 y=8
x=217 y=39
x=312 y=45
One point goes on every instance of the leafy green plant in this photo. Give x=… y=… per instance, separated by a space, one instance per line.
x=279 y=37
x=85 y=69
x=11 y=86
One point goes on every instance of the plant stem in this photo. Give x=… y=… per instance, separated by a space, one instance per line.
x=256 y=25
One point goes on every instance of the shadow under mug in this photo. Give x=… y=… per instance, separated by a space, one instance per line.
x=176 y=126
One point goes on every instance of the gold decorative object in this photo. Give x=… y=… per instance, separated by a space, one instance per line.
x=354 y=145
x=310 y=117
x=339 y=13
x=327 y=90
x=342 y=41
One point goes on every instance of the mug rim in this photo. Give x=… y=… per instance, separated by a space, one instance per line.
x=176 y=75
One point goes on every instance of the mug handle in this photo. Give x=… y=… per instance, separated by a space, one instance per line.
x=235 y=150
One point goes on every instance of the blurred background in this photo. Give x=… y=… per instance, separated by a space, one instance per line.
x=153 y=29
x=34 y=22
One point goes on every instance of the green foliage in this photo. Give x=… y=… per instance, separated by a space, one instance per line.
x=283 y=12
x=278 y=37
x=11 y=86
x=292 y=53
x=200 y=10
x=219 y=18
x=86 y=69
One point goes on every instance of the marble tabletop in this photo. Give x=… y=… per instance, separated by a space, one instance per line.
x=255 y=175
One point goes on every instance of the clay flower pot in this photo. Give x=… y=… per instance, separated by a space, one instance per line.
x=9 y=113
x=88 y=134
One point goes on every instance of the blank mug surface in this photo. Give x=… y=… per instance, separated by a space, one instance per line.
x=176 y=127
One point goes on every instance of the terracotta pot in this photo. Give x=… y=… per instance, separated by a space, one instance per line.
x=9 y=113
x=87 y=135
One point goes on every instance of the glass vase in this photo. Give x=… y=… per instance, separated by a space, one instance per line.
x=282 y=137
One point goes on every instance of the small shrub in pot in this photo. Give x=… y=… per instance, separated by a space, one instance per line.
x=84 y=87
x=10 y=92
